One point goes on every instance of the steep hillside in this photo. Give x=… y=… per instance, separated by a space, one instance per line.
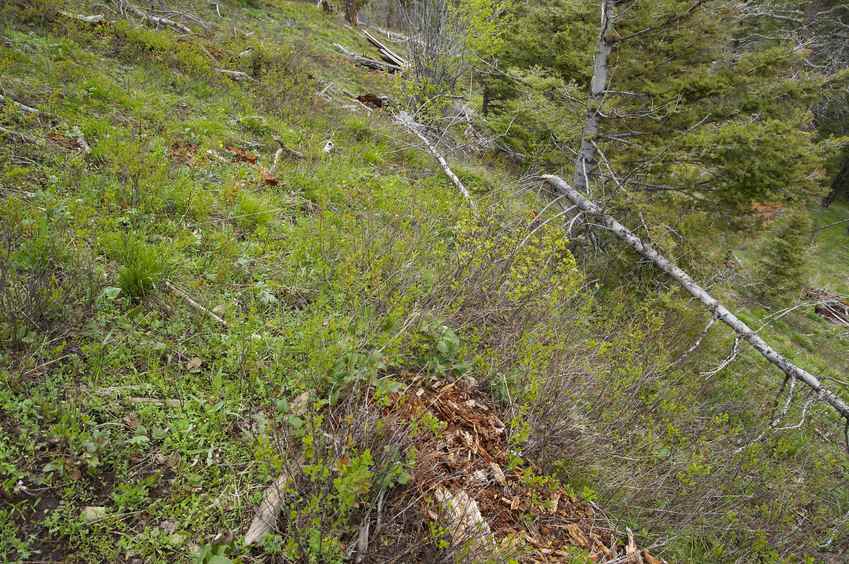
x=208 y=275
x=229 y=286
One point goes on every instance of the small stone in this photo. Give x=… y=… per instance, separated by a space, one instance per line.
x=93 y=513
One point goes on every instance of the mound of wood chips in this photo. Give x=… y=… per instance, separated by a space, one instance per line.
x=467 y=486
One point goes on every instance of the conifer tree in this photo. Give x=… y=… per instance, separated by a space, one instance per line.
x=782 y=260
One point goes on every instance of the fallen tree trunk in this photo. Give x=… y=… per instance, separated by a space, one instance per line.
x=367 y=62
x=385 y=52
x=157 y=21
x=407 y=121
x=712 y=304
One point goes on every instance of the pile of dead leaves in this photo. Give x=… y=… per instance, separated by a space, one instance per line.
x=464 y=477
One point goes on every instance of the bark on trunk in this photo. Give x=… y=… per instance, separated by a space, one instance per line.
x=586 y=160
x=351 y=10
x=714 y=306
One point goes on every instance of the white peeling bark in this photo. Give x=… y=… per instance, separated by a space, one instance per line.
x=585 y=162
x=712 y=304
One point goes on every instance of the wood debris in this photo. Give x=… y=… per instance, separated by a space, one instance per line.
x=385 y=52
x=830 y=305
x=368 y=62
x=464 y=477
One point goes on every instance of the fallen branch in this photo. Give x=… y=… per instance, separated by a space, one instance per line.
x=385 y=52
x=157 y=20
x=408 y=122
x=94 y=19
x=194 y=304
x=265 y=519
x=22 y=107
x=714 y=306
x=238 y=76
x=367 y=62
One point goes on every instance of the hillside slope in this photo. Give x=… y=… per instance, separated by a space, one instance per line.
x=220 y=271
x=197 y=290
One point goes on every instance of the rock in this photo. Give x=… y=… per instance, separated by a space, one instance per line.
x=93 y=513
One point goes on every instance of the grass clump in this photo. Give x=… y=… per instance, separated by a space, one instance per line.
x=141 y=266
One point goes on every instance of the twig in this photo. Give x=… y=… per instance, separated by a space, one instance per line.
x=194 y=304
x=48 y=363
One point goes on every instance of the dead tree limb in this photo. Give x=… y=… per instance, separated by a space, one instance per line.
x=586 y=160
x=265 y=519
x=188 y=299
x=385 y=52
x=408 y=122
x=711 y=303
x=20 y=106
x=157 y=21
x=238 y=76
x=367 y=62
x=94 y=19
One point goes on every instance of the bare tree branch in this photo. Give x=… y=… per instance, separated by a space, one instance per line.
x=712 y=304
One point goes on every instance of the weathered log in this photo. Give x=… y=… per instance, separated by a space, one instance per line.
x=238 y=76
x=385 y=52
x=367 y=62
x=94 y=19
x=157 y=20
x=20 y=106
x=408 y=122
x=265 y=519
x=712 y=304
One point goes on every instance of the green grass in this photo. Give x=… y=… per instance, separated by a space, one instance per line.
x=145 y=407
x=133 y=425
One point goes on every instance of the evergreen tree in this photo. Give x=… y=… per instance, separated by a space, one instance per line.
x=782 y=260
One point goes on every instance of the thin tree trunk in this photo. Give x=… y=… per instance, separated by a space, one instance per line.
x=407 y=121
x=716 y=308
x=351 y=10
x=586 y=160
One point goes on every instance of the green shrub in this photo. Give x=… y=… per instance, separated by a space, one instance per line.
x=142 y=265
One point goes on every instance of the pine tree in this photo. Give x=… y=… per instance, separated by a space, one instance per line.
x=782 y=261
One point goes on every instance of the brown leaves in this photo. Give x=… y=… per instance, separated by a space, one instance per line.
x=183 y=153
x=766 y=211
x=467 y=461
x=240 y=155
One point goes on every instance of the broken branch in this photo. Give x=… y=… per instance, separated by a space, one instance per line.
x=367 y=62
x=22 y=107
x=407 y=121
x=720 y=311
x=194 y=304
